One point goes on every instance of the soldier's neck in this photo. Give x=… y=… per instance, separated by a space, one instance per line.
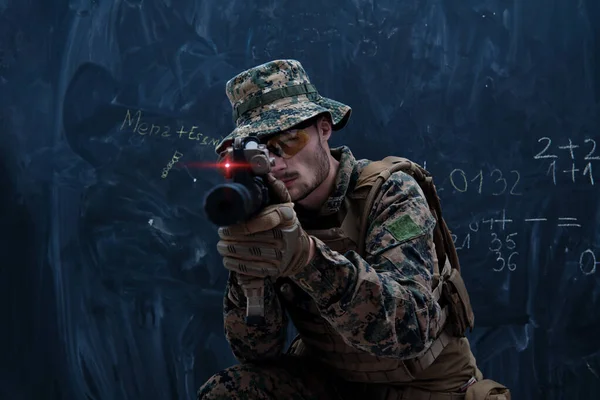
x=319 y=196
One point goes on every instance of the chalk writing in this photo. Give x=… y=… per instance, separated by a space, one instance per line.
x=541 y=154
x=174 y=159
x=503 y=221
x=136 y=122
x=503 y=240
x=466 y=243
x=563 y=222
x=586 y=258
x=504 y=251
x=569 y=147
x=573 y=170
x=460 y=182
x=569 y=223
x=588 y=171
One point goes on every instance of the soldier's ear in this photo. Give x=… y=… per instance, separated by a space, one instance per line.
x=324 y=127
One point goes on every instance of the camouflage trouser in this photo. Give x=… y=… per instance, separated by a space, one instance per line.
x=286 y=378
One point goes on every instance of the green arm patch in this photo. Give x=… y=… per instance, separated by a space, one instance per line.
x=404 y=228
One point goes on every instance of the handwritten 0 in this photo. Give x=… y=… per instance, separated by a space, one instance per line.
x=176 y=157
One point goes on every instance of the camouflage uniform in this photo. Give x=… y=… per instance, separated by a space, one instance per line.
x=360 y=320
x=382 y=305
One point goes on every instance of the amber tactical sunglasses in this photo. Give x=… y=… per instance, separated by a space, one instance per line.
x=289 y=143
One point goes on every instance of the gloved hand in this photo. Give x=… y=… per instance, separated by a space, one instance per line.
x=272 y=243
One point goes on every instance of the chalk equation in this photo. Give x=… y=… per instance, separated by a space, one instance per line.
x=136 y=123
x=575 y=167
x=174 y=159
x=502 y=242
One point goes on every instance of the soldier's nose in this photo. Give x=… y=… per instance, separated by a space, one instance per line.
x=278 y=164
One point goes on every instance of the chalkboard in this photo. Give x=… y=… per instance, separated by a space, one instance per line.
x=110 y=283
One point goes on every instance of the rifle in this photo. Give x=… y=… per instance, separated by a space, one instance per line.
x=246 y=164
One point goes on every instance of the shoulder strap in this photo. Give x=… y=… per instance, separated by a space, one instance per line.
x=376 y=173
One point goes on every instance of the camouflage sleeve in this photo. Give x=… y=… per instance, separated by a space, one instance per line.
x=250 y=343
x=382 y=305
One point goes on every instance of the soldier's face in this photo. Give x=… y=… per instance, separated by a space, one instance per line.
x=308 y=168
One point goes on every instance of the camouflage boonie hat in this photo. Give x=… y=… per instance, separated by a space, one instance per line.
x=275 y=96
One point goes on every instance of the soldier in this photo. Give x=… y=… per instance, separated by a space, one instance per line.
x=365 y=269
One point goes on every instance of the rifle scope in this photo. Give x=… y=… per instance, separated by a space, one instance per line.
x=234 y=202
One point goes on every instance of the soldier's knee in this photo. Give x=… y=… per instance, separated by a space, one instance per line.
x=231 y=383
